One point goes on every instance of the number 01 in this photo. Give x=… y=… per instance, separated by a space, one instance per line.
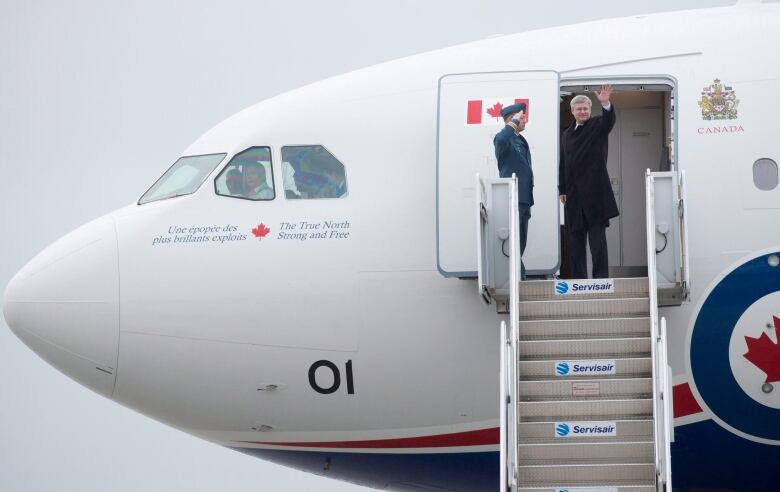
x=333 y=368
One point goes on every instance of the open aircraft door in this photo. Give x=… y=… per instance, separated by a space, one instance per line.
x=468 y=118
x=666 y=195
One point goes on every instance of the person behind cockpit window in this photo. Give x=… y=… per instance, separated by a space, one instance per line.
x=235 y=182
x=255 y=185
x=288 y=180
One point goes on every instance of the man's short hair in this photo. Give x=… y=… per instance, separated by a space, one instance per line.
x=581 y=99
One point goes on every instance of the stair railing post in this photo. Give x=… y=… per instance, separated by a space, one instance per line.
x=667 y=407
x=503 y=404
x=658 y=349
x=508 y=392
x=514 y=301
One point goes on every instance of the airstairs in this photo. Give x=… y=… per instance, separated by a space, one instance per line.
x=585 y=384
x=558 y=338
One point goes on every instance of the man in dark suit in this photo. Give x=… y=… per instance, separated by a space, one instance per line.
x=514 y=157
x=583 y=183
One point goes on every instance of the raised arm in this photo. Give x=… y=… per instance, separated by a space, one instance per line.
x=604 y=94
x=608 y=115
x=502 y=139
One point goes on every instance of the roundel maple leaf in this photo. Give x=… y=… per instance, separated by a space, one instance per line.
x=765 y=354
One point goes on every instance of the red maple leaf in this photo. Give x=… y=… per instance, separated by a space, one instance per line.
x=495 y=111
x=261 y=231
x=765 y=354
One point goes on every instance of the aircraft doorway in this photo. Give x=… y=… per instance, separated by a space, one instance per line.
x=641 y=139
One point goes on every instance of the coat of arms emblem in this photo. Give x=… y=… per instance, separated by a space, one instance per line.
x=718 y=102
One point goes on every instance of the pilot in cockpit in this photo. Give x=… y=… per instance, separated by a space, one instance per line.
x=235 y=182
x=255 y=184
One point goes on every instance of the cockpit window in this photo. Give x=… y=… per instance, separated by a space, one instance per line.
x=310 y=171
x=248 y=175
x=183 y=178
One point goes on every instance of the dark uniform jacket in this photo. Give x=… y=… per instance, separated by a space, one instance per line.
x=582 y=172
x=513 y=156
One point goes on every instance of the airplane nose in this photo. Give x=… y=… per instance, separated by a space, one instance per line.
x=64 y=305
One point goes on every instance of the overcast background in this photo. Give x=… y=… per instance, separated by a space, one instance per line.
x=97 y=99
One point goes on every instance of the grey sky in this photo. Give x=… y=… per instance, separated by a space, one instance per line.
x=97 y=99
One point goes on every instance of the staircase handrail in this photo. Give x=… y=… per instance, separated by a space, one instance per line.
x=658 y=348
x=666 y=384
x=509 y=359
x=508 y=457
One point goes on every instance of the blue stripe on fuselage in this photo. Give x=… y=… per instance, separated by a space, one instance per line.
x=456 y=472
x=705 y=457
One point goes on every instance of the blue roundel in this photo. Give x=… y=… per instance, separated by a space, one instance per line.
x=709 y=356
x=562 y=429
x=562 y=368
x=561 y=287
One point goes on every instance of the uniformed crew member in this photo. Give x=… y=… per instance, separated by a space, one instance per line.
x=514 y=157
x=255 y=185
x=584 y=185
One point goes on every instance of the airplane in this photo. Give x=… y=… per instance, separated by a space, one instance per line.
x=321 y=311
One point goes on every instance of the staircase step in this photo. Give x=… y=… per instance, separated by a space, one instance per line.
x=629 y=367
x=583 y=389
x=596 y=348
x=587 y=475
x=583 y=410
x=567 y=452
x=584 y=308
x=614 y=488
x=625 y=430
x=546 y=289
x=584 y=328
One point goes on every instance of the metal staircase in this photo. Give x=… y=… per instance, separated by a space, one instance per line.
x=585 y=386
x=584 y=362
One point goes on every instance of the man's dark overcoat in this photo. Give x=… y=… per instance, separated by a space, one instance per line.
x=582 y=172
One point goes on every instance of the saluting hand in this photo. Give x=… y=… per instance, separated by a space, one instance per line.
x=603 y=94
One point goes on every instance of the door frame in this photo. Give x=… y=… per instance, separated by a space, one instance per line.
x=648 y=82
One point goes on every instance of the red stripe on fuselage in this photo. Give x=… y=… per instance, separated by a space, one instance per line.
x=684 y=402
x=471 y=438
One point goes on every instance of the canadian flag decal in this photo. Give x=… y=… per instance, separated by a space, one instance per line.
x=488 y=111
